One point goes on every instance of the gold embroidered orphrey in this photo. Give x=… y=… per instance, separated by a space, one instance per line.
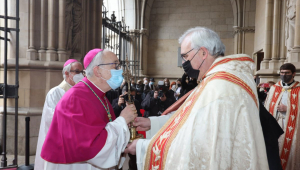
x=158 y=148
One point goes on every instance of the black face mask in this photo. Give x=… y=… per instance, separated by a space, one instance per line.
x=188 y=69
x=286 y=78
x=178 y=85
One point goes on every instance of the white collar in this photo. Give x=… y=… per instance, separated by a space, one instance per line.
x=68 y=84
x=95 y=85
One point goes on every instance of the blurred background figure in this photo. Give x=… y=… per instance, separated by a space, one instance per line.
x=119 y=103
x=187 y=84
x=168 y=92
x=152 y=84
x=173 y=86
x=146 y=89
x=262 y=91
x=156 y=102
x=139 y=90
x=178 y=90
x=271 y=83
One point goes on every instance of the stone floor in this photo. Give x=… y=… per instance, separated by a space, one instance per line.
x=21 y=161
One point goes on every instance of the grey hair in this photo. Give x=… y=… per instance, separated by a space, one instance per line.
x=67 y=68
x=96 y=61
x=204 y=37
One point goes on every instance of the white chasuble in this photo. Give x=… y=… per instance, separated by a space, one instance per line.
x=289 y=142
x=217 y=127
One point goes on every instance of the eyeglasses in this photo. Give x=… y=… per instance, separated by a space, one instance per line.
x=184 y=56
x=117 y=65
x=77 y=71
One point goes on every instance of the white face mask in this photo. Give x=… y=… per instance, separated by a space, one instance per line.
x=77 y=78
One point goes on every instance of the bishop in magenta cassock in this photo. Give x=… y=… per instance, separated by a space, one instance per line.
x=85 y=134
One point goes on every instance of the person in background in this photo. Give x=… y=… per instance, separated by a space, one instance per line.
x=178 y=89
x=146 y=89
x=120 y=103
x=167 y=82
x=152 y=84
x=173 y=86
x=169 y=93
x=133 y=84
x=139 y=90
x=155 y=103
x=283 y=103
x=72 y=74
x=271 y=83
x=187 y=84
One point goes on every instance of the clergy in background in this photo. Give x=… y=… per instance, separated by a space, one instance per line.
x=218 y=125
x=283 y=103
x=72 y=74
x=84 y=134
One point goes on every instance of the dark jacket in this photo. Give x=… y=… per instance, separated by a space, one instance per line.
x=118 y=109
x=271 y=131
x=186 y=87
x=154 y=107
x=112 y=94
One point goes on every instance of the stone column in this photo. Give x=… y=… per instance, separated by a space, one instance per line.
x=61 y=51
x=51 y=54
x=295 y=53
x=42 y=51
x=297 y=26
x=274 y=63
x=31 y=51
x=282 y=34
x=268 y=35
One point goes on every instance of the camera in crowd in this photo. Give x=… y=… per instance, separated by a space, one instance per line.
x=162 y=89
x=125 y=97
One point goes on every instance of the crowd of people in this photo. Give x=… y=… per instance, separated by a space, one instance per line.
x=151 y=97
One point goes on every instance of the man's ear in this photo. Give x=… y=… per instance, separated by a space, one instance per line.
x=96 y=72
x=204 y=53
x=67 y=73
x=294 y=74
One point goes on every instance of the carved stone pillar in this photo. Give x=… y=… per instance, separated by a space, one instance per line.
x=239 y=35
x=282 y=34
x=61 y=51
x=295 y=53
x=297 y=26
x=42 y=51
x=268 y=35
x=51 y=54
x=274 y=63
x=238 y=46
x=31 y=52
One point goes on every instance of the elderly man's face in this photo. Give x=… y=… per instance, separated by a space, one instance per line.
x=188 y=53
x=110 y=61
x=76 y=68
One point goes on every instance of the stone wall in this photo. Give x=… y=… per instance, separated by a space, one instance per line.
x=170 y=18
x=50 y=33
